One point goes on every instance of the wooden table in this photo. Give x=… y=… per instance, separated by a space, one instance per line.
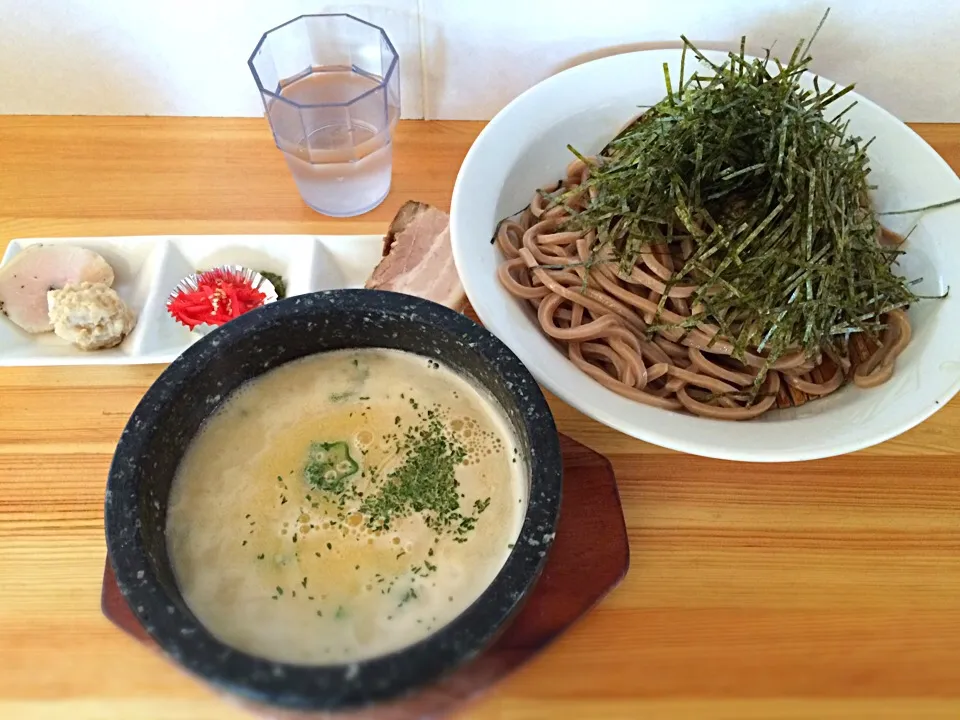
x=821 y=590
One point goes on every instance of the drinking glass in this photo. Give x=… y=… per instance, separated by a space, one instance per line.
x=330 y=86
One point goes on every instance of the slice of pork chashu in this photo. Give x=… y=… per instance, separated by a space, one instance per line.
x=418 y=258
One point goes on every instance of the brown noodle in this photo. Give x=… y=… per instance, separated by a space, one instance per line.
x=602 y=317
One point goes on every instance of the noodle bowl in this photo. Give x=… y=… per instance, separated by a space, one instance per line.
x=620 y=329
x=525 y=147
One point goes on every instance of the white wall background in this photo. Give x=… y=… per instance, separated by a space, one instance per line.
x=460 y=59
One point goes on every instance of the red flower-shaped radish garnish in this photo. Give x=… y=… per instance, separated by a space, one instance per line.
x=213 y=298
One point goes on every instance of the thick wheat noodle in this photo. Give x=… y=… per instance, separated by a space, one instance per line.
x=662 y=267
x=637 y=343
x=544 y=255
x=558 y=238
x=618 y=337
x=878 y=368
x=616 y=364
x=515 y=286
x=700 y=362
x=649 y=349
x=814 y=388
x=570 y=278
x=607 y=353
x=592 y=300
x=619 y=340
x=700 y=380
x=654 y=353
x=560 y=314
x=626 y=389
x=618 y=331
x=618 y=387
x=639 y=277
x=601 y=314
x=607 y=282
x=657 y=370
x=785 y=362
x=505 y=234
x=771 y=387
x=636 y=370
x=659 y=262
x=592 y=330
x=704 y=336
x=677 y=352
x=800 y=370
x=538 y=204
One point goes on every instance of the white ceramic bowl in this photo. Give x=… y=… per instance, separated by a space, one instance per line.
x=524 y=147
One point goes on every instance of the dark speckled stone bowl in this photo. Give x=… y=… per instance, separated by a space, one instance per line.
x=197 y=382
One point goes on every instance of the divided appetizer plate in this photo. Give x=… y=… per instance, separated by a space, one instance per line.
x=148 y=268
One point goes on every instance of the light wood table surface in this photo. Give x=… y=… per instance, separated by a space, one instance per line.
x=819 y=591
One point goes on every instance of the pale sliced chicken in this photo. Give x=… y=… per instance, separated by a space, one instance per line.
x=33 y=272
x=418 y=257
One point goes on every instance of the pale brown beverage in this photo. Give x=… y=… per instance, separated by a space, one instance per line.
x=343 y=156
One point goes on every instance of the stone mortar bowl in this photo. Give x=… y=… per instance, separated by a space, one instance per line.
x=194 y=386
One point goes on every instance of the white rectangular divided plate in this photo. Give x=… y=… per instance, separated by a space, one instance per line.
x=147 y=269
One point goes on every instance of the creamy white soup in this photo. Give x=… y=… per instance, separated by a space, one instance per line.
x=344 y=506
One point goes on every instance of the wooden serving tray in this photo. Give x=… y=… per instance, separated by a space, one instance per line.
x=590 y=557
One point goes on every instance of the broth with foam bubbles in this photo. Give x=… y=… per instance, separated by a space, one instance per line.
x=344 y=506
